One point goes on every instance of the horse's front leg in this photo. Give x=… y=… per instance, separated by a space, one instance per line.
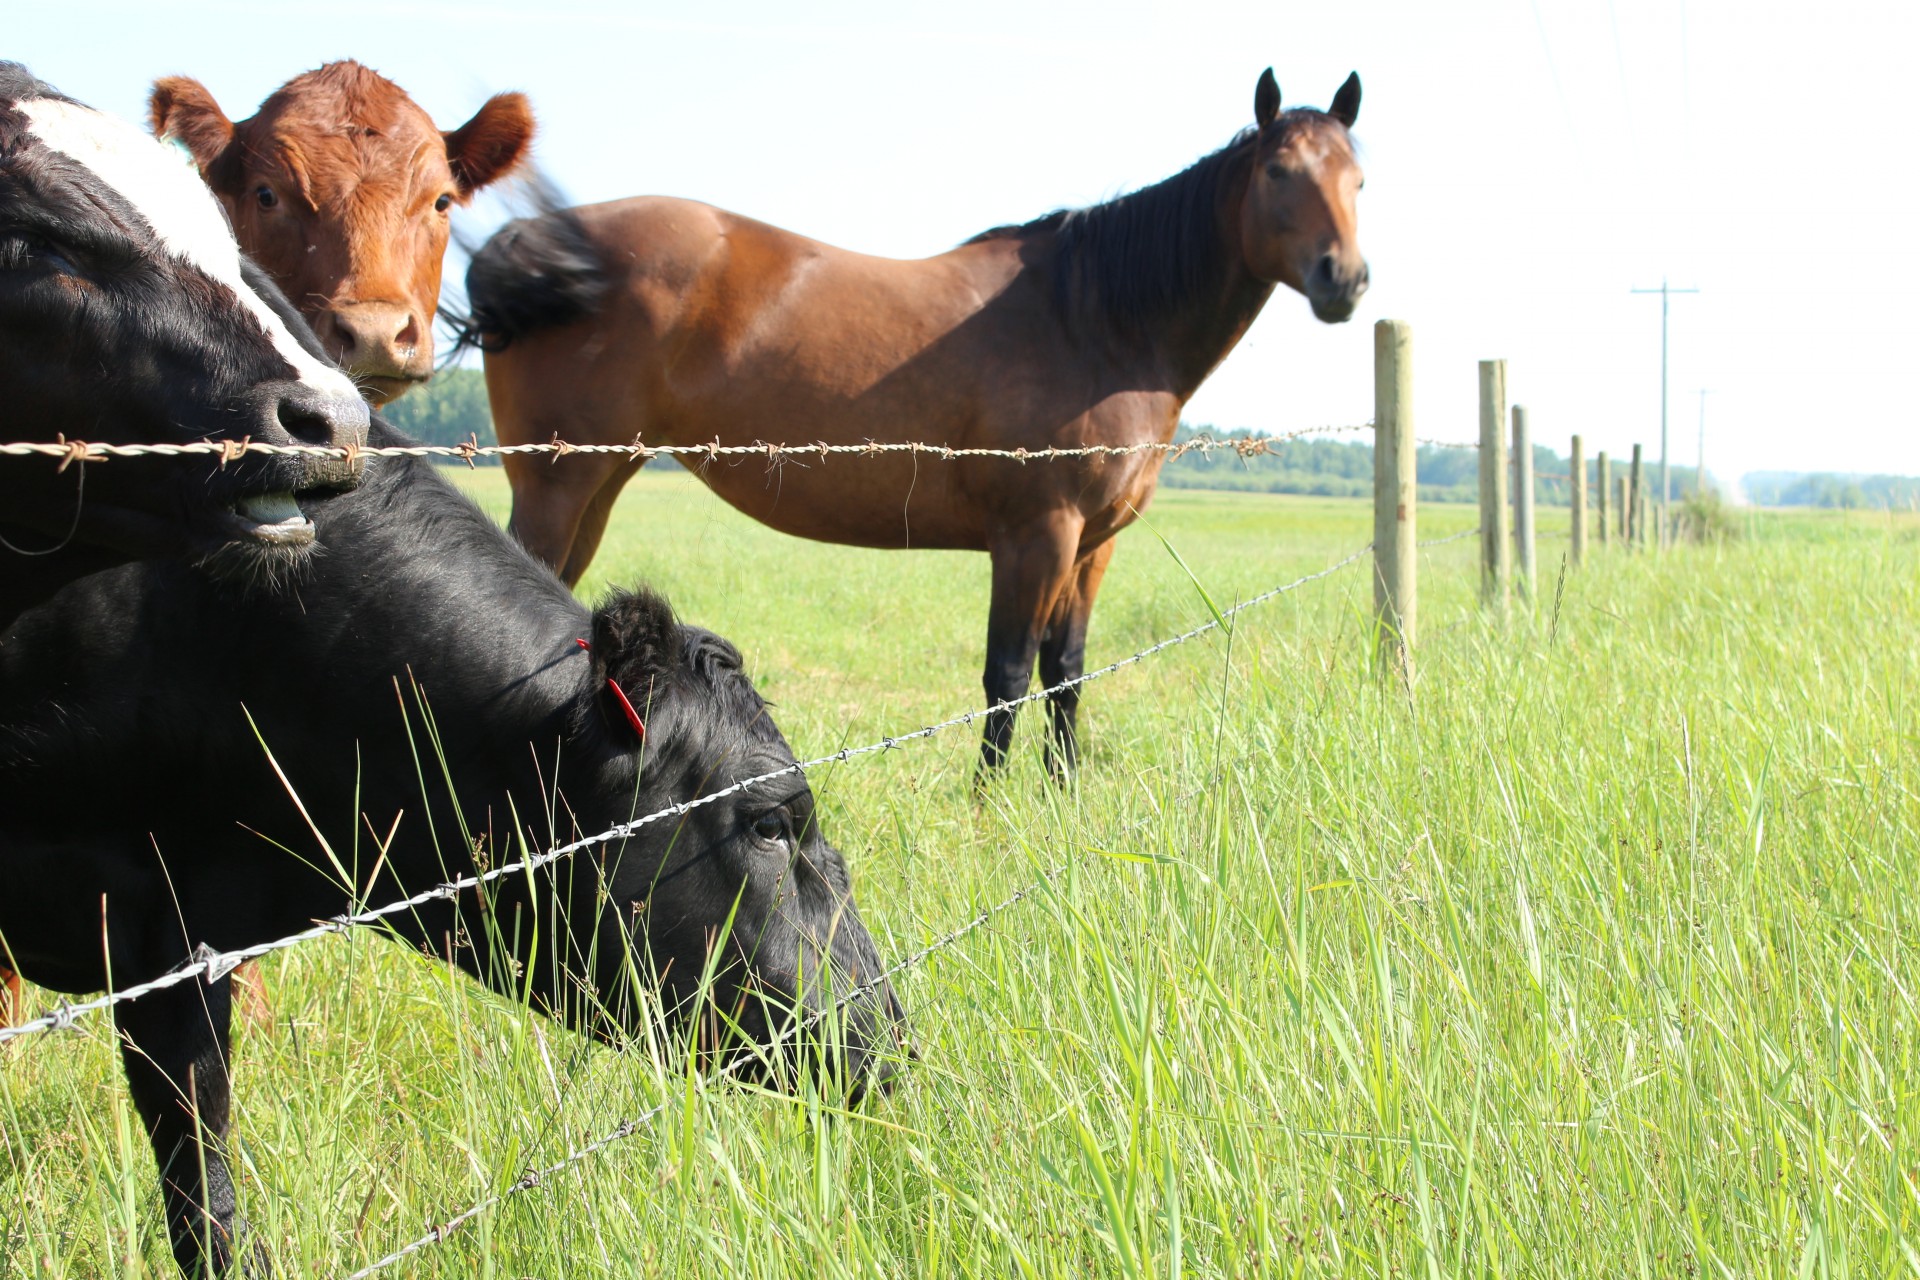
x=1031 y=566
x=174 y=1049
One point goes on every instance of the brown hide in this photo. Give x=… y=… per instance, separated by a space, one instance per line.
x=340 y=187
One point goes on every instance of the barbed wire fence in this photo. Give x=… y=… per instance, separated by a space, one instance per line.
x=211 y=966
x=539 y=1177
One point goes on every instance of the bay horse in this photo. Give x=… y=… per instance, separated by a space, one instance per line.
x=681 y=323
x=738 y=913
x=340 y=186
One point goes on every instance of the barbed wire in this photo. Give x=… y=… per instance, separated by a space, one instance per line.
x=214 y=965
x=1452 y=537
x=70 y=451
x=640 y=1123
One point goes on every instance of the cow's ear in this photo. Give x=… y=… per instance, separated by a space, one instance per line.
x=636 y=640
x=492 y=144
x=1266 y=99
x=180 y=109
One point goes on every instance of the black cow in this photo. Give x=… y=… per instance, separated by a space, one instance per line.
x=137 y=710
x=127 y=315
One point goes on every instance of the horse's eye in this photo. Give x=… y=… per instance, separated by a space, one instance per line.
x=444 y=203
x=1275 y=172
x=266 y=197
x=771 y=826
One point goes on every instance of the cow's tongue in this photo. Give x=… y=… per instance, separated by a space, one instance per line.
x=275 y=517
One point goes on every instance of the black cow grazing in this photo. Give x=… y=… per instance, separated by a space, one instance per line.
x=127 y=315
x=130 y=768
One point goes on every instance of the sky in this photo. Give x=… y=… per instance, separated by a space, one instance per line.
x=1529 y=163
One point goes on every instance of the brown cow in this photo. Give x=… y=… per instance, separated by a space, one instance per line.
x=340 y=187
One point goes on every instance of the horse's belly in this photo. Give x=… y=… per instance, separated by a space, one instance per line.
x=881 y=502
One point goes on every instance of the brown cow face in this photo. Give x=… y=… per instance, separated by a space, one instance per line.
x=340 y=187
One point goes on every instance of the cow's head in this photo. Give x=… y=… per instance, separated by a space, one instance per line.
x=128 y=316
x=340 y=186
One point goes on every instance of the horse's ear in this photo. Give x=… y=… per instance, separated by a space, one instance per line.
x=1346 y=103
x=636 y=640
x=492 y=144
x=1266 y=99
x=180 y=109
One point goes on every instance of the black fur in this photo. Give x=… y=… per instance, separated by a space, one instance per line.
x=421 y=618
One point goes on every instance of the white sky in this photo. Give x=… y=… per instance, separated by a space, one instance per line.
x=1528 y=161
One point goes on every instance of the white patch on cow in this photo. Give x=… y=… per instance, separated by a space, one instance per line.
x=161 y=183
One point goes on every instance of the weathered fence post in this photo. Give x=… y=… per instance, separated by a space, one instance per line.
x=1395 y=494
x=1496 y=562
x=1636 y=502
x=1523 y=502
x=1577 y=499
x=1606 y=494
x=1626 y=514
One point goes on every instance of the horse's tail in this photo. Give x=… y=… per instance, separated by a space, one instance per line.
x=534 y=273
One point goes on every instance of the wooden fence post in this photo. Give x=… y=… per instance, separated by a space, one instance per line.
x=1626 y=514
x=1636 y=502
x=1577 y=498
x=1523 y=503
x=1395 y=495
x=1496 y=556
x=1605 y=477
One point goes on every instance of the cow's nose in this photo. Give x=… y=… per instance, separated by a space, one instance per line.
x=297 y=413
x=374 y=339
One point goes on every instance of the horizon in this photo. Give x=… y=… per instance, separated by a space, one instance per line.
x=1529 y=165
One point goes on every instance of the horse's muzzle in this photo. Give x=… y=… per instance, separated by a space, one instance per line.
x=1333 y=291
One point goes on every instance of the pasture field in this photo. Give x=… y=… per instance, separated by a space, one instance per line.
x=1595 y=960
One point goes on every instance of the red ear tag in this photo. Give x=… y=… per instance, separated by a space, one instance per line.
x=583 y=644
x=633 y=717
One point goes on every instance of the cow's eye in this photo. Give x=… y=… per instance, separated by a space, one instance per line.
x=266 y=197
x=20 y=249
x=444 y=203
x=771 y=826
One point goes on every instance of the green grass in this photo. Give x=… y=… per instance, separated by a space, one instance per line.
x=1592 y=960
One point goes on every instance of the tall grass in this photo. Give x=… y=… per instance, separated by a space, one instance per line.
x=1591 y=959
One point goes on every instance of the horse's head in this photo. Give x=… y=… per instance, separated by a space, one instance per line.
x=1298 y=226
x=340 y=186
x=739 y=910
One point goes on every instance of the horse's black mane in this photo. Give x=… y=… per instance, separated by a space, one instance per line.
x=1141 y=258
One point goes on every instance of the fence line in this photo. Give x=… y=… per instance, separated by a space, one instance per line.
x=70 y=451
x=214 y=965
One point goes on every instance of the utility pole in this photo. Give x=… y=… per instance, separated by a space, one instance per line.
x=1700 y=467
x=1666 y=480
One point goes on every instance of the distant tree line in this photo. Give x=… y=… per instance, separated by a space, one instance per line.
x=1344 y=469
x=448 y=410
x=1827 y=489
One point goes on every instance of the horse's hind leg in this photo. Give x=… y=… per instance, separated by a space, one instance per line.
x=12 y=1000
x=551 y=498
x=593 y=523
x=1063 y=657
x=1031 y=567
